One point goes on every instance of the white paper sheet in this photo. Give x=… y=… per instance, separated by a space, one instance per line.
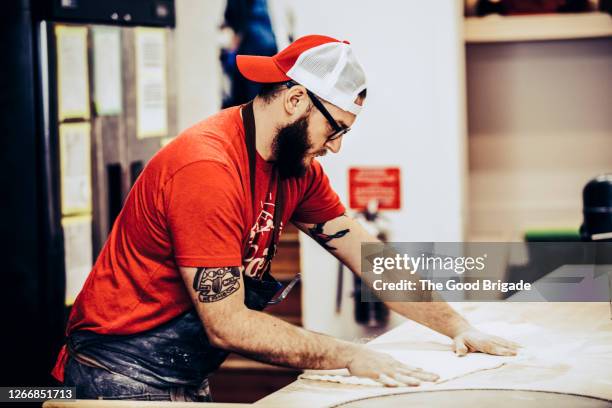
x=78 y=255
x=151 y=82
x=72 y=72
x=75 y=162
x=107 y=70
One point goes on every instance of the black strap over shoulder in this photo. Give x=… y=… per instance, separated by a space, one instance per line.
x=248 y=120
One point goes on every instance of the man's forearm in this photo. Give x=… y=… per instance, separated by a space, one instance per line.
x=343 y=237
x=271 y=340
x=218 y=296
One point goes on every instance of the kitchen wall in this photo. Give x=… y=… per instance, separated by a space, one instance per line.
x=197 y=52
x=540 y=126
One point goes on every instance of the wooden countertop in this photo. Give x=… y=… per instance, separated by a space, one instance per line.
x=586 y=372
x=137 y=404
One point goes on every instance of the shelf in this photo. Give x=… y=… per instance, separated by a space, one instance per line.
x=496 y=28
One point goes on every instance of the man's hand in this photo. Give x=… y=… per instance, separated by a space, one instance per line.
x=473 y=340
x=384 y=368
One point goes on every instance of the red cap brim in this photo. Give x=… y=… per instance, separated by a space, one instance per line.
x=260 y=69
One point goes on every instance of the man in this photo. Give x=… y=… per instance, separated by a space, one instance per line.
x=185 y=270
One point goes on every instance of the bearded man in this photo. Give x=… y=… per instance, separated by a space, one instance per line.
x=185 y=272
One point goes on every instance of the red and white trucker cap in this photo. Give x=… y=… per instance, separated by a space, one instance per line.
x=325 y=66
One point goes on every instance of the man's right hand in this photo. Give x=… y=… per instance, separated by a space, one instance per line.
x=384 y=368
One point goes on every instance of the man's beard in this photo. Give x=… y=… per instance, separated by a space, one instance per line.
x=290 y=147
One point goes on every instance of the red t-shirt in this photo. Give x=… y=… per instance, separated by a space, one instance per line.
x=190 y=207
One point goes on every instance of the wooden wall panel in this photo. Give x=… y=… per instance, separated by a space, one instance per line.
x=539 y=129
x=519 y=182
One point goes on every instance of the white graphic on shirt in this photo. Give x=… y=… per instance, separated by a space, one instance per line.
x=254 y=260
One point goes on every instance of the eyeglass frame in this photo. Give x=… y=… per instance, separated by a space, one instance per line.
x=339 y=131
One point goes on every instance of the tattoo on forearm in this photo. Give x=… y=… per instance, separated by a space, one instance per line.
x=317 y=233
x=213 y=284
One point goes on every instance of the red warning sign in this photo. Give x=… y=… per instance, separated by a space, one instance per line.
x=374 y=183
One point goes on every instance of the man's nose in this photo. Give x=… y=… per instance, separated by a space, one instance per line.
x=334 y=145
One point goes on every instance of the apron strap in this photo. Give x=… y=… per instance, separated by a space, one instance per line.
x=248 y=120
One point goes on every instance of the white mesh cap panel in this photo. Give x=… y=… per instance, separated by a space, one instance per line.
x=352 y=79
x=320 y=64
x=331 y=72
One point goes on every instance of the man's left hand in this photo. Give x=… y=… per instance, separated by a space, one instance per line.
x=473 y=340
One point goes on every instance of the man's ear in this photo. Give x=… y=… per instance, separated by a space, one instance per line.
x=296 y=101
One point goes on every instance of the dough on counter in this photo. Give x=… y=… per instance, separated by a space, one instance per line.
x=444 y=363
x=435 y=355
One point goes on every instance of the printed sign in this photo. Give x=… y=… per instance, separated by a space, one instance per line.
x=374 y=183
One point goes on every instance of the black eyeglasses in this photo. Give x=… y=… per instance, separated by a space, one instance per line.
x=339 y=131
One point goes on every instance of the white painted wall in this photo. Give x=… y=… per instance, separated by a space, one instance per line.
x=414 y=118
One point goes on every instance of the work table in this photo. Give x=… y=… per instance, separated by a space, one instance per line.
x=581 y=331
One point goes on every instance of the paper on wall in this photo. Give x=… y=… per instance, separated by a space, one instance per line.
x=152 y=110
x=107 y=70
x=78 y=256
x=75 y=168
x=72 y=72
x=163 y=142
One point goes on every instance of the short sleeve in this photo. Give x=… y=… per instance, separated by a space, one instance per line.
x=319 y=203
x=204 y=215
